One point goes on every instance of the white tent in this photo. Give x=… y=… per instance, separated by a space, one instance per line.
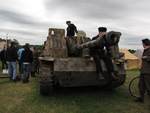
x=138 y=54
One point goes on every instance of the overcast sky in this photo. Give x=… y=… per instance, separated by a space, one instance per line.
x=29 y=20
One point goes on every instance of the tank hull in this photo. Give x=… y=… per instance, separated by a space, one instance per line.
x=65 y=64
x=76 y=72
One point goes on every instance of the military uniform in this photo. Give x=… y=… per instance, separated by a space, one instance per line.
x=71 y=29
x=144 y=83
x=70 y=39
x=103 y=48
x=99 y=54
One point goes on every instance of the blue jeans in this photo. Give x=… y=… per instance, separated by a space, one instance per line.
x=12 y=70
x=26 y=71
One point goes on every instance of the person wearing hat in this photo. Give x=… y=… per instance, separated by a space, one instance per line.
x=3 y=59
x=100 y=54
x=101 y=31
x=144 y=82
x=71 y=29
x=97 y=50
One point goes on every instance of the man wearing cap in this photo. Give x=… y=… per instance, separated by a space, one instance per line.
x=97 y=50
x=144 y=82
x=71 y=29
x=70 y=39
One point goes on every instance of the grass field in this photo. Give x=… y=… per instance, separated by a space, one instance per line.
x=25 y=98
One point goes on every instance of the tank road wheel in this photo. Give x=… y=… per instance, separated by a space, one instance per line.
x=121 y=77
x=118 y=82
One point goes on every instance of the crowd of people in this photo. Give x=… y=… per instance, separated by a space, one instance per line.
x=29 y=64
x=25 y=57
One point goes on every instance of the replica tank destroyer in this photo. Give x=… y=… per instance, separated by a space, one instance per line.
x=63 y=64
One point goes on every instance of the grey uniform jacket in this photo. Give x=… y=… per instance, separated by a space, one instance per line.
x=145 y=69
x=99 y=42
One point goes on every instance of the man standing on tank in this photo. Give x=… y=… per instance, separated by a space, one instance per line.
x=98 y=51
x=71 y=29
x=144 y=82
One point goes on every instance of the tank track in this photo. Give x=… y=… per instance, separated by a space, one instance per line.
x=46 y=82
x=121 y=77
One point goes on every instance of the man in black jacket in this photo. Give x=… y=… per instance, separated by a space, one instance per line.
x=71 y=29
x=144 y=82
x=98 y=51
x=12 y=57
x=3 y=58
x=27 y=58
x=100 y=54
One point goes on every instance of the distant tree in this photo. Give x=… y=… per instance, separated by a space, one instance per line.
x=132 y=51
x=15 y=41
x=39 y=47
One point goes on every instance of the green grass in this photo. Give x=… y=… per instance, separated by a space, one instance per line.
x=25 y=98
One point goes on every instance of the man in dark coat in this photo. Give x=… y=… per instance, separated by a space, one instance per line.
x=71 y=29
x=3 y=58
x=97 y=50
x=144 y=82
x=27 y=58
x=11 y=58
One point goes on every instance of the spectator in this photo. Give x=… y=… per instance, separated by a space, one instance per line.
x=11 y=58
x=144 y=82
x=35 y=63
x=3 y=58
x=27 y=58
x=19 y=52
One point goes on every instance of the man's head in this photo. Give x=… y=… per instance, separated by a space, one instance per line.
x=12 y=44
x=146 y=42
x=68 y=22
x=27 y=46
x=102 y=29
